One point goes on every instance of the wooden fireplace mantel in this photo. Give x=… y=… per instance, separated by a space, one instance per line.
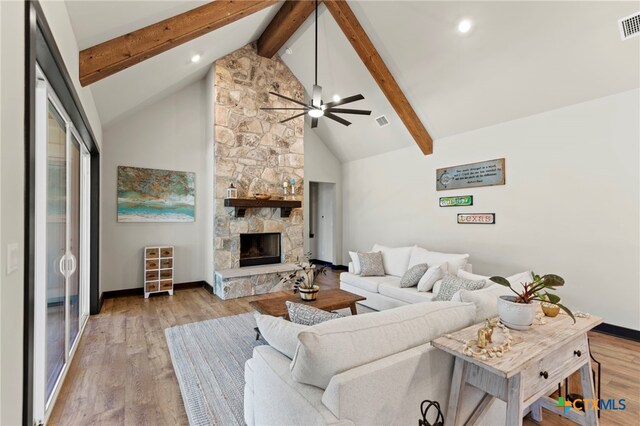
x=240 y=205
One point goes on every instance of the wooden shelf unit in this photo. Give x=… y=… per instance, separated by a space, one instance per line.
x=158 y=269
x=240 y=205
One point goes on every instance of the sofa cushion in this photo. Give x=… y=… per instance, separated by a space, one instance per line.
x=367 y=283
x=371 y=264
x=279 y=333
x=335 y=346
x=395 y=259
x=408 y=295
x=413 y=275
x=455 y=261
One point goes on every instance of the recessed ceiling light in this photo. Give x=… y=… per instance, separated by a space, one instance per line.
x=315 y=113
x=464 y=26
x=336 y=98
x=195 y=58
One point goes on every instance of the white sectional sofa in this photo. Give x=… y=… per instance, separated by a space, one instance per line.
x=369 y=369
x=385 y=292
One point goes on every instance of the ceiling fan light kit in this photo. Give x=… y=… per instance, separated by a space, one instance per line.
x=317 y=108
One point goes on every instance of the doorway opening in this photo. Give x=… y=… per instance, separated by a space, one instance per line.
x=322 y=221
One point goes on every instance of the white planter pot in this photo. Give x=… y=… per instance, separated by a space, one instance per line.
x=518 y=316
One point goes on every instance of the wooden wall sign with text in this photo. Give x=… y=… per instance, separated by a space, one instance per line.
x=462 y=200
x=485 y=173
x=477 y=218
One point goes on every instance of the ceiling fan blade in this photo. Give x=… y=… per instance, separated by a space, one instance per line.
x=348 y=111
x=346 y=100
x=285 y=109
x=314 y=122
x=336 y=118
x=295 y=116
x=316 y=100
x=288 y=98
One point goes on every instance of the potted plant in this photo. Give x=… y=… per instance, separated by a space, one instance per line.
x=302 y=280
x=519 y=311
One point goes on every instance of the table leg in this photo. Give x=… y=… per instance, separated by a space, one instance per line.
x=354 y=311
x=536 y=411
x=514 y=401
x=586 y=380
x=455 y=395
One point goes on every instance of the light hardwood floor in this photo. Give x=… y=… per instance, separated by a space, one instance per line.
x=122 y=372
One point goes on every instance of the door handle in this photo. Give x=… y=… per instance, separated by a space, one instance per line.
x=74 y=264
x=61 y=265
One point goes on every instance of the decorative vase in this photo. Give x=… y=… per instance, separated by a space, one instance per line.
x=518 y=316
x=550 y=309
x=309 y=294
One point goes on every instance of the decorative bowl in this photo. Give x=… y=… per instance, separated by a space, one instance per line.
x=261 y=196
x=550 y=309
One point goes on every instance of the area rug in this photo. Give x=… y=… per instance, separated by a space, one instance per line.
x=208 y=358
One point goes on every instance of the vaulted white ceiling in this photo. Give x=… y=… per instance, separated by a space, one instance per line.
x=519 y=59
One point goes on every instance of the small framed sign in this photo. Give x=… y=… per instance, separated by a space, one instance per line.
x=462 y=200
x=477 y=218
x=484 y=173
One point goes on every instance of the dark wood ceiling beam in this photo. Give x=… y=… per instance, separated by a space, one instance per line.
x=288 y=19
x=360 y=41
x=122 y=52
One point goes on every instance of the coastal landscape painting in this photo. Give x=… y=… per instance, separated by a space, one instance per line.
x=152 y=195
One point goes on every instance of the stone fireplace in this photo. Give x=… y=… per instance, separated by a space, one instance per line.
x=256 y=153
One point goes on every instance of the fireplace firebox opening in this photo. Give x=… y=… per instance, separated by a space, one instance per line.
x=260 y=249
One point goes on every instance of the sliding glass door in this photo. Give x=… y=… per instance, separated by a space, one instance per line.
x=61 y=216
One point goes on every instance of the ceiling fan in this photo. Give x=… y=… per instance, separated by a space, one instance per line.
x=317 y=108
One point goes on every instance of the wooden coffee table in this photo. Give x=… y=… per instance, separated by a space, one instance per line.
x=328 y=300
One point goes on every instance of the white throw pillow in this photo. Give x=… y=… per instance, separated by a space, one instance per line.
x=356 y=262
x=486 y=300
x=433 y=274
x=281 y=334
x=395 y=259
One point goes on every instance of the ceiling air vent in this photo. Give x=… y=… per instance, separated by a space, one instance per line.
x=630 y=26
x=382 y=121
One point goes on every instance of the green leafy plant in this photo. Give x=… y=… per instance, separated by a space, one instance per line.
x=538 y=290
x=305 y=276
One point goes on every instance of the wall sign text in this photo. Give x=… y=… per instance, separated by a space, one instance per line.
x=477 y=218
x=485 y=173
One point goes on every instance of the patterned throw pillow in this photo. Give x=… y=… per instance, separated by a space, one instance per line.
x=300 y=313
x=371 y=264
x=451 y=284
x=413 y=275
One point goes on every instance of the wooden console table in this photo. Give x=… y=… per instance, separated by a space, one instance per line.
x=539 y=359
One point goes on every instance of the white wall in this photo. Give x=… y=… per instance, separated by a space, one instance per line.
x=12 y=214
x=320 y=165
x=570 y=205
x=170 y=134
x=60 y=24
